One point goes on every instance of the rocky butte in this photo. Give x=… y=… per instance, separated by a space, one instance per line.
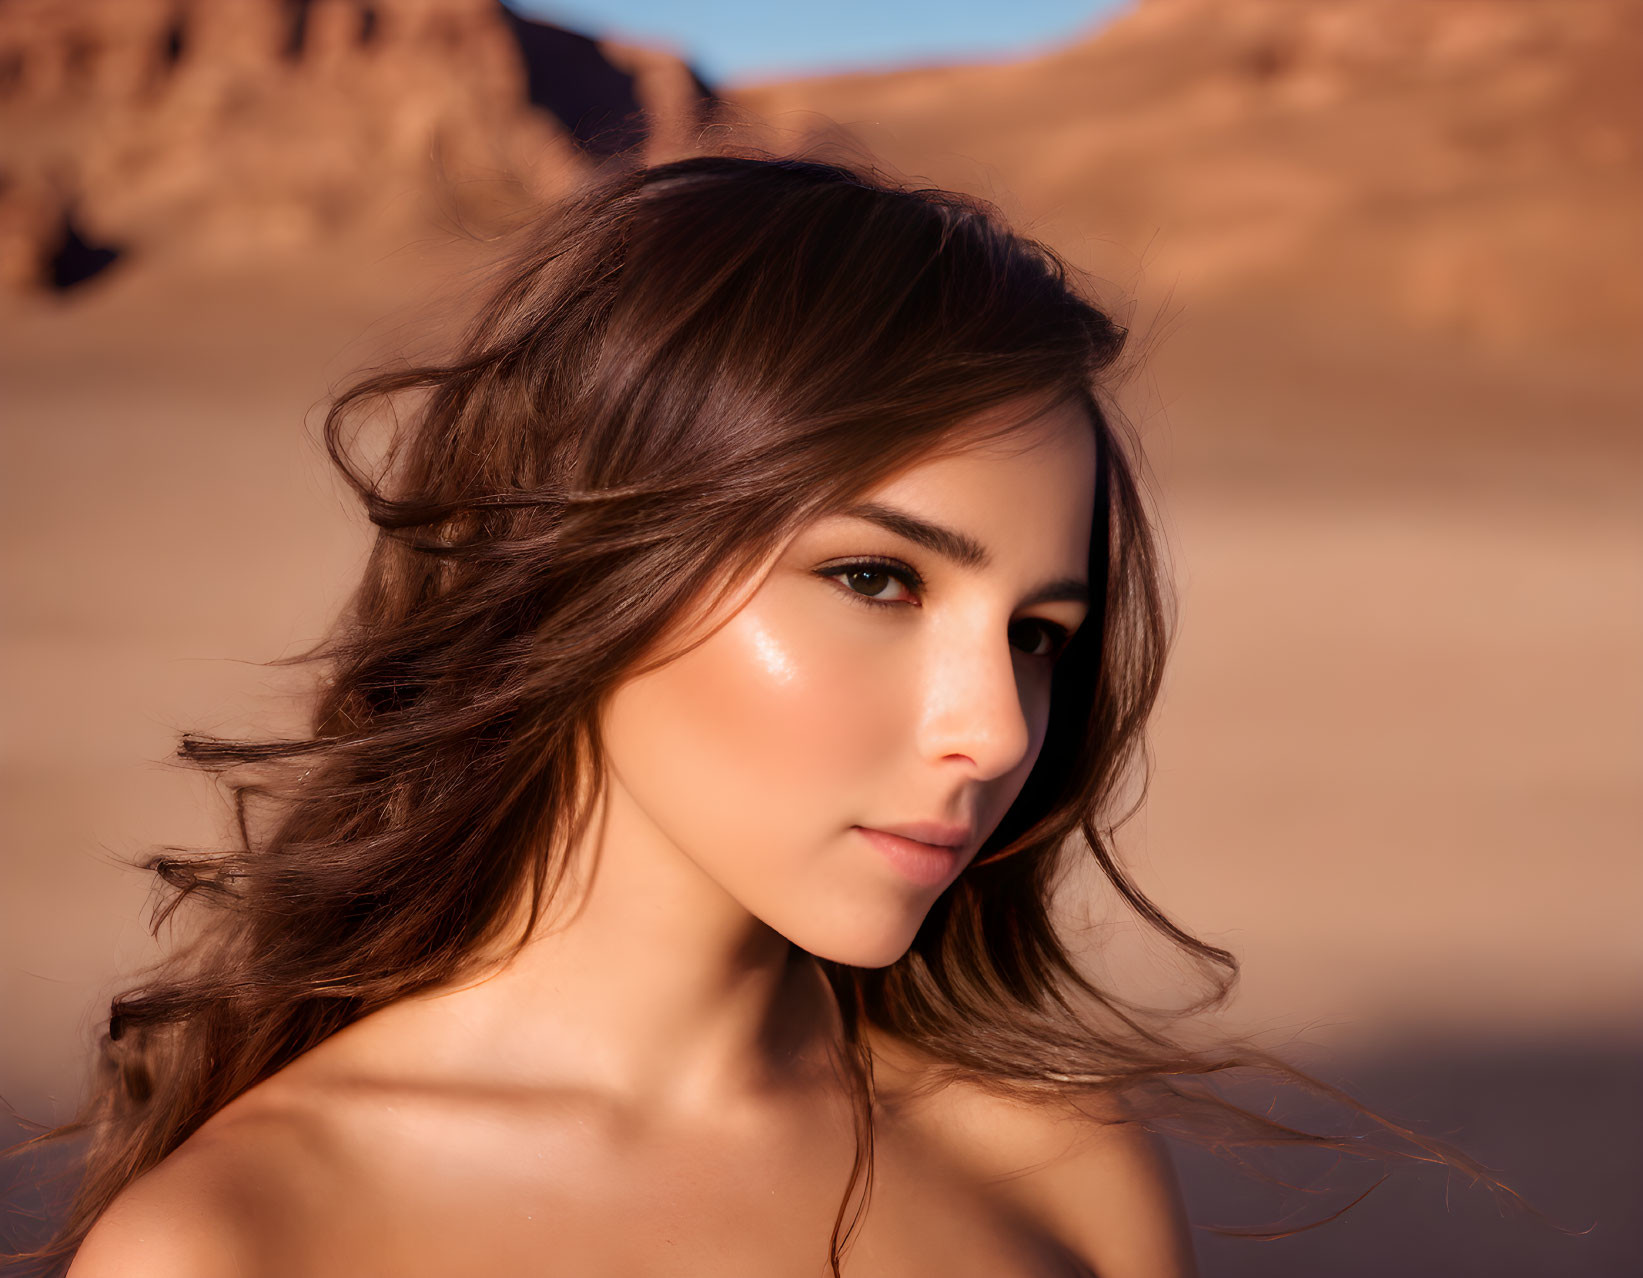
x=235 y=126
x=1467 y=168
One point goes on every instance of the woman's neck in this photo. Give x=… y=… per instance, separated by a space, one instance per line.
x=645 y=982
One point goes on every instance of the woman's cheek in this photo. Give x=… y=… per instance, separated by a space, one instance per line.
x=827 y=689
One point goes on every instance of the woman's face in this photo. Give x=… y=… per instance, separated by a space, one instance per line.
x=885 y=672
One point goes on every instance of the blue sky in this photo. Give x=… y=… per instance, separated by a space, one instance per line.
x=730 y=40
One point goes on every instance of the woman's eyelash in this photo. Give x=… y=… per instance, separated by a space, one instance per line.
x=1058 y=635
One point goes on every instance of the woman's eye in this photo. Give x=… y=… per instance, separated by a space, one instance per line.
x=874 y=583
x=1046 y=639
x=869 y=582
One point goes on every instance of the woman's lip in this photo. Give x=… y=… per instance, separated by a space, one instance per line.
x=923 y=863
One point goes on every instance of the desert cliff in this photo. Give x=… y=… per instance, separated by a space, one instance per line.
x=1465 y=168
x=225 y=128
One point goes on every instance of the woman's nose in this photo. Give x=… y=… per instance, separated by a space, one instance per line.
x=973 y=705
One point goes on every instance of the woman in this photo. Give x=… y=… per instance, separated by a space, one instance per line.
x=763 y=615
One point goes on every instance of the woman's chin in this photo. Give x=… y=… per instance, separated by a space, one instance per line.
x=859 y=950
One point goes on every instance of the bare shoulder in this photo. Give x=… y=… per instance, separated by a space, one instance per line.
x=211 y=1208
x=1103 y=1184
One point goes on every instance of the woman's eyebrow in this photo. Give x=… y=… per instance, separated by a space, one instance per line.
x=963 y=550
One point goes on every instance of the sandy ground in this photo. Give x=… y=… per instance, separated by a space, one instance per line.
x=1396 y=765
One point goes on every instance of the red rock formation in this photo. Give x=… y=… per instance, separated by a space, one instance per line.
x=233 y=127
x=1472 y=167
x=1466 y=167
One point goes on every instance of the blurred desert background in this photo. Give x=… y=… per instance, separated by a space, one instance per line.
x=1384 y=263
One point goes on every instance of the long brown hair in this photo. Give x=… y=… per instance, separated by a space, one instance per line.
x=681 y=364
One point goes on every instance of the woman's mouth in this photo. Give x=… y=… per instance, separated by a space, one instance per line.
x=926 y=864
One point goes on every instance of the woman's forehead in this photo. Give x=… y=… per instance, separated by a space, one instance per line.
x=976 y=452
